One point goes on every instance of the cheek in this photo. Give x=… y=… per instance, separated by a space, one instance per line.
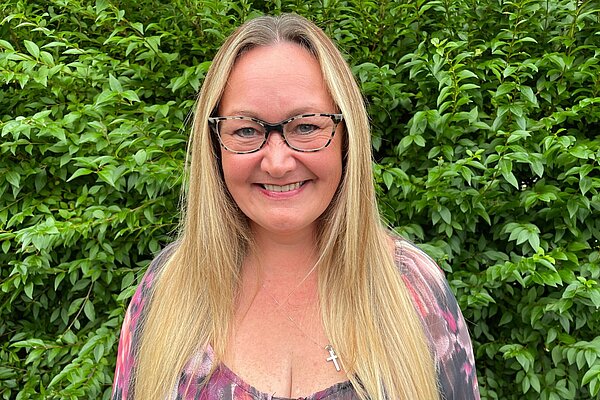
x=331 y=169
x=231 y=171
x=237 y=171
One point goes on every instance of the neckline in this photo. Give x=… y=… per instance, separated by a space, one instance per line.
x=257 y=394
x=224 y=370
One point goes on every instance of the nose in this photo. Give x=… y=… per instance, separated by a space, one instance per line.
x=278 y=158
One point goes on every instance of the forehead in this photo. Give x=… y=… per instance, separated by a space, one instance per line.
x=276 y=80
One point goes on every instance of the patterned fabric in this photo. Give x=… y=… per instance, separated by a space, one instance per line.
x=445 y=328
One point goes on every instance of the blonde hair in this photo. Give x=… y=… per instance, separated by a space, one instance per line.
x=366 y=309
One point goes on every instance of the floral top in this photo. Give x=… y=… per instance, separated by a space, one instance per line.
x=444 y=327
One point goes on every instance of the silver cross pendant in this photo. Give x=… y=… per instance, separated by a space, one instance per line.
x=333 y=357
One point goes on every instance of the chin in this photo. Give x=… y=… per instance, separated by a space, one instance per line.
x=285 y=227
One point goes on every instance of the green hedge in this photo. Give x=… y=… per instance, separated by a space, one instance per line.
x=485 y=122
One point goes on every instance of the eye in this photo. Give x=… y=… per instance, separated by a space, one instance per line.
x=246 y=132
x=306 y=129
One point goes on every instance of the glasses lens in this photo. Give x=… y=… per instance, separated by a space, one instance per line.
x=309 y=133
x=241 y=134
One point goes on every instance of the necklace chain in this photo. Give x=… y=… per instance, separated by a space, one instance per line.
x=333 y=357
x=329 y=348
x=281 y=311
x=279 y=305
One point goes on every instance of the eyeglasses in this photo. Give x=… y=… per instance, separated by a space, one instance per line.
x=305 y=133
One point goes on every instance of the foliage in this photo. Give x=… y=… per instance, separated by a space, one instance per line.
x=485 y=118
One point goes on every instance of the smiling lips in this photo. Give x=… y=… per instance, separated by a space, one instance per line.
x=284 y=188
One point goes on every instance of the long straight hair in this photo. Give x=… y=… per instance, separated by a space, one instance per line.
x=366 y=309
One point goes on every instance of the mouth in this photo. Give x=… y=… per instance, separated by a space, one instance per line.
x=284 y=188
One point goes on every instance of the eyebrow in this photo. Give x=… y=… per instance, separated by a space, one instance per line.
x=296 y=111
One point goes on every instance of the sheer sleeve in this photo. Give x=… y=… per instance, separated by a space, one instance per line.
x=131 y=331
x=443 y=322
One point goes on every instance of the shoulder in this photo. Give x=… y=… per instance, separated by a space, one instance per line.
x=416 y=264
x=132 y=326
x=423 y=277
x=442 y=320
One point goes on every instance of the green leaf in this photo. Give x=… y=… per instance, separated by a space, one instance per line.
x=29 y=289
x=528 y=94
x=552 y=334
x=468 y=86
x=504 y=89
x=74 y=51
x=446 y=215
x=89 y=310
x=506 y=171
x=592 y=373
x=534 y=240
x=126 y=293
x=537 y=166
x=32 y=48
x=572 y=208
x=465 y=74
x=506 y=318
x=114 y=84
x=577 y=246
x=7 y=373
x=33 y=343
x=59 y=278
x=138 y=26
x=419 y=140
x=105 y=97
x=98 y=352
x=80 y=172
x=13 y=178
x=585 y=184
x=127 y=280
x=518 y=135
x=101 y=5
x=131 y=96
x=107 y=176
x=6 y=45
x=535 y=382
x=75 y=306
x=508 y=71
x=388 y=179
x=34 y=355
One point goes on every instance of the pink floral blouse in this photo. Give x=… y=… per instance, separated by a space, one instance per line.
x=444 y=325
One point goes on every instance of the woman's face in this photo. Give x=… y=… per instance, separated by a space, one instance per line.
x=281 y=191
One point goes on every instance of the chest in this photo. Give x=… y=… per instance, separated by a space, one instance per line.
x=282 y=349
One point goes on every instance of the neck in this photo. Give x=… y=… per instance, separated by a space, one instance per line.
x=284 y=267
x=283 y=257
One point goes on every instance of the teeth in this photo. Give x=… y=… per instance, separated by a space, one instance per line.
x=284 y=188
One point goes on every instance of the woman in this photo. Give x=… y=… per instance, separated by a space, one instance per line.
x=283 y=282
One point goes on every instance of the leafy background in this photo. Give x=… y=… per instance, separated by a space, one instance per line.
x=485 y=122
